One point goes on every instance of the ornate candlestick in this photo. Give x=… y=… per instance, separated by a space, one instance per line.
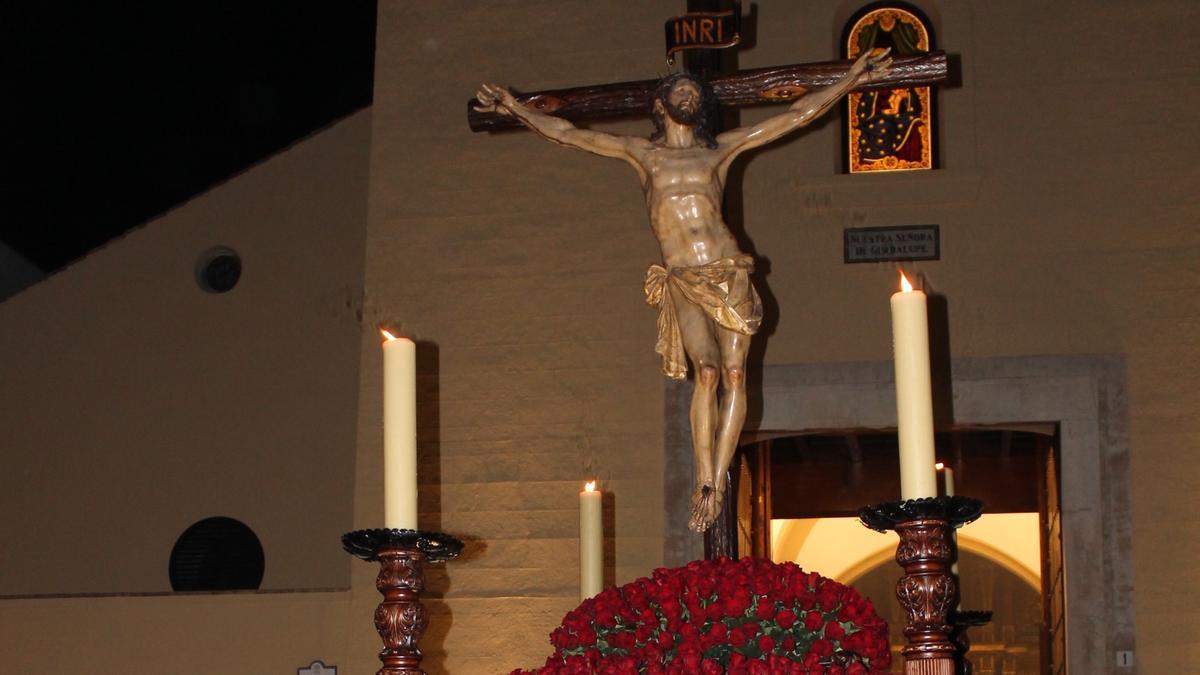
x=928 y=589
x=401 y=619
x=961 y=620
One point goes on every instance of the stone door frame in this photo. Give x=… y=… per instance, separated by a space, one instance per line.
x=1085 y=395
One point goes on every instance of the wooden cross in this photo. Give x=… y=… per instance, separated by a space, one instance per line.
x=777 y=84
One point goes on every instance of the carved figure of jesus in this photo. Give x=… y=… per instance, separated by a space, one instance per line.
x=708 y=308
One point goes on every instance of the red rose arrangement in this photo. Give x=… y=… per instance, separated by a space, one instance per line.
x=748 y=616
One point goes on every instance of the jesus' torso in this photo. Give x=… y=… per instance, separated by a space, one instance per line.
x=684 y=189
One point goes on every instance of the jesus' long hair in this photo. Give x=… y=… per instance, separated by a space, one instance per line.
x=698 y=121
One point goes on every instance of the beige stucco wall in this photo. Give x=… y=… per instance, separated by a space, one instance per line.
x=135 y=404
x=237 y=633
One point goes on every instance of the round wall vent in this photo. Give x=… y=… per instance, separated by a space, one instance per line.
x=217 y=554
x=218 y=269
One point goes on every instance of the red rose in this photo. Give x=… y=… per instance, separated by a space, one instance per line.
x=780 y=665
x=829 y=595
x=766 y=644
x=821 y=647
x=621 y=640
x=786 y=618
x=765 y=610
x=806 y=599
x=714 y=612
x=711 y=667
x=666 y=640
x=834 y=631
x=788 y=643
x=813 y=621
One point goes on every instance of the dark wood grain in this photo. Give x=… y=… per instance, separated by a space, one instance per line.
x=777 y=84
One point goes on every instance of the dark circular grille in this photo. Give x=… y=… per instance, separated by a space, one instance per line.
x=219 y=270
x=217 y=554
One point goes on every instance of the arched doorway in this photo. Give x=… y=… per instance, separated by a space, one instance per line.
x=798 y=495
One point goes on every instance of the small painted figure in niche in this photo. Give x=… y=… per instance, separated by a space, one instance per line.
x=708 y=308
x=889 y=124
x=892 y=129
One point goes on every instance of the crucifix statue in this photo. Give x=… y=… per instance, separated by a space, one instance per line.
x=707 y=306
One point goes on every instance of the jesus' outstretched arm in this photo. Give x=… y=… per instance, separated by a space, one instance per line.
x=494 y=98
x=807 y=108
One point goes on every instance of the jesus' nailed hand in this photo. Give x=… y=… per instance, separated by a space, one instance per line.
x=708 y=309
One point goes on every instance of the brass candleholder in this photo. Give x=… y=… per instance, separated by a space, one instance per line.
x=928 y=589
x=401 y=618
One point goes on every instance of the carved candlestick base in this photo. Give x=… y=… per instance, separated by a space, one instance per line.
x=927 y=590
x=401 y=619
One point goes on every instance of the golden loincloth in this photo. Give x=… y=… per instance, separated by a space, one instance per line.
x=721 y=288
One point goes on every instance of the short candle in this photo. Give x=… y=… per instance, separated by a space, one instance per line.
x=947 y=478
x=591 y=542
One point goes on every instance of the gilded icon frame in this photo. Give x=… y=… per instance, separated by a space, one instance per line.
x=896 y=128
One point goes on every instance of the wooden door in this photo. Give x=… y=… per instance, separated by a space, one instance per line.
x=1054 y=630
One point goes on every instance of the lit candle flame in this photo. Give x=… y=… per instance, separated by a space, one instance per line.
x=904 y=285
x=590 y=486
x=939 y=466
x=387 y=335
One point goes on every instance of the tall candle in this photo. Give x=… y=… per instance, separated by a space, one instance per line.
x=399 y=433
x=591 y=542
x=914 y=400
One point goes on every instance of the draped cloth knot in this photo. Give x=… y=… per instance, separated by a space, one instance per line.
x=721 y=288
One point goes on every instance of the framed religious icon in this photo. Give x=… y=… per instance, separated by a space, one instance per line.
x=889 y=129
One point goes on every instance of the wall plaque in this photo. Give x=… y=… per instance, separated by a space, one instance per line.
x=880 y=244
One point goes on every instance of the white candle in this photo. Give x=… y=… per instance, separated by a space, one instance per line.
x=399 y=433
x=591 y=542
x=914 y=400
x=948 y=480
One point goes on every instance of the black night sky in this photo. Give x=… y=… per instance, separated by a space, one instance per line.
x=119 y=111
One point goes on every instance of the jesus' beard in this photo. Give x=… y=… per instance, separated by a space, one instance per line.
x=694 y=119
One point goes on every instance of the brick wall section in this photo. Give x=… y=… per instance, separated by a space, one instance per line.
x=1068 y=224
x=520 y=264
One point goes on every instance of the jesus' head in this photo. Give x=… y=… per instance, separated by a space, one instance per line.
x=682 y=99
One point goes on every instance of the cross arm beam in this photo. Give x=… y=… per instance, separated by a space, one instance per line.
x=777 y=84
